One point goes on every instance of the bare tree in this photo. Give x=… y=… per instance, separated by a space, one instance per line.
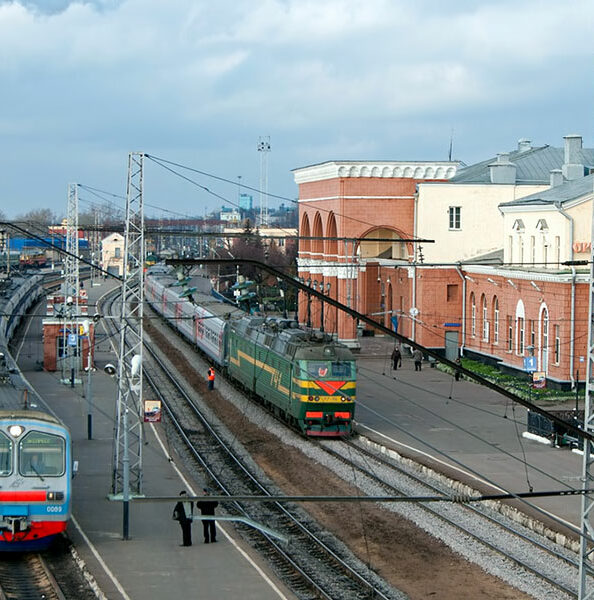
x=39 y=216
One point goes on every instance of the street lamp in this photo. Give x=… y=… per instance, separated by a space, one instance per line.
x=282 y=286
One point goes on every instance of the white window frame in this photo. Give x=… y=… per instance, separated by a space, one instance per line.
x=496 y=320
x=455 y=218
x=485 y=320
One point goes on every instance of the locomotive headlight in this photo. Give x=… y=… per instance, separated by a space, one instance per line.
x=55 y=496
x=16 y=430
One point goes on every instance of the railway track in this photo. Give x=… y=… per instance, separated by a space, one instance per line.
x=475 y=522
x=27 y=577
x=313 y=565
x=517 y=548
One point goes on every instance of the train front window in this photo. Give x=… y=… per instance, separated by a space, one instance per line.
x=41 y=455
x=327 y=369
x=5 y=455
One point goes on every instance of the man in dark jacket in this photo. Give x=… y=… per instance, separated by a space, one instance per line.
x=183 y=513
x=396 y=358
x=207 y=507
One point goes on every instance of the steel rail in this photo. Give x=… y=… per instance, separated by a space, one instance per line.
x=352 y=574
x=418 y=481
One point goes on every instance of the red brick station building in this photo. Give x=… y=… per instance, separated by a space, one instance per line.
x=490 y=281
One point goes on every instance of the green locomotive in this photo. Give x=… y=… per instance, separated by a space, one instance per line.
x=305 y=378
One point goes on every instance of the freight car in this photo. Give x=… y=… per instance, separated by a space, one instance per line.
x=305 y=378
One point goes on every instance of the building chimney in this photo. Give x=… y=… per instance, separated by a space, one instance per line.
x=502 y=171
x=573 y=167
x=524 y=145
x=556 y=177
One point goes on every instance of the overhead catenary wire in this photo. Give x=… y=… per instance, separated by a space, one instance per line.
x=462 y=498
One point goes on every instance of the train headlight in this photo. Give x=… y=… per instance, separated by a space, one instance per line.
x=16 y=430
x=55 y=495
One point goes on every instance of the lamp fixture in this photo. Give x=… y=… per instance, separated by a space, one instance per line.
x=492 y=281
x=469 y=278
x=512 y=284
x=16 y=430
x=535 y=286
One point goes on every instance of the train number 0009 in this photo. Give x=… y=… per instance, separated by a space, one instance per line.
x=54 y=509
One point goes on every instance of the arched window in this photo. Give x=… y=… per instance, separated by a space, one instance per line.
x=485 y=319
x=495 y=320
x=472 y=315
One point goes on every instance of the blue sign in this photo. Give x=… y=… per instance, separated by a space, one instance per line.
x=394 y=323
x=72 y=339
x=451 y=324
x=530 y=363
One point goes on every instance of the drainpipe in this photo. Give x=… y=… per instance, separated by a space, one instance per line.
x=463 y=309
x=414 y=289
x=558 y=206
x=572 y=331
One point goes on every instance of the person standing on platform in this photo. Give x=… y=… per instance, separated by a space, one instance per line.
x=207 y=508
x=211 y=378
x=457 y=373
x=418 y=358
x=396 y=358
x=183 y=514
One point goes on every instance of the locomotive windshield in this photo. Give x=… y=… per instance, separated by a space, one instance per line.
x=328 y=369
x=41 y=454
x=5 y=455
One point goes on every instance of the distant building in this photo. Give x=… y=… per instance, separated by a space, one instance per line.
x=246 y=202
x=112 y=254
x=230 y=215
x=276 y=237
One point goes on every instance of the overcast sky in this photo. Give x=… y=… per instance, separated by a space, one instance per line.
x=83 y=83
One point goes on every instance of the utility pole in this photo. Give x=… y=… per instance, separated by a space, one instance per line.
x=127 y=460
x=70 y=344
x=264 y=149
x=586 y=590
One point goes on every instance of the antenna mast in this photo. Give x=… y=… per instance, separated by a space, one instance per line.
x=264 y=149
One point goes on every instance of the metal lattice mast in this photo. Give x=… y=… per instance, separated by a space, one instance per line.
x=70 y=289
x=127 y=467
x=586 y=589
x=71 y=264
x=264 y=149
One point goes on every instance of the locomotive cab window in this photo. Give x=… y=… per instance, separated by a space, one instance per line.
x=323 y=369
x=341 y=369
x=41 y=454
x=5 y=455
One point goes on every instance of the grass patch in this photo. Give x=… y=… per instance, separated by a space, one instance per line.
x=521 y=386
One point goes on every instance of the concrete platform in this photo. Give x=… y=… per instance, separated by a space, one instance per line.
x=429 y=414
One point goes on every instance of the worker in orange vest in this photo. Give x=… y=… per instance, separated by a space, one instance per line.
x=211 y=378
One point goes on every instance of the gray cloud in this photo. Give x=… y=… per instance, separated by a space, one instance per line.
x=84 y=83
